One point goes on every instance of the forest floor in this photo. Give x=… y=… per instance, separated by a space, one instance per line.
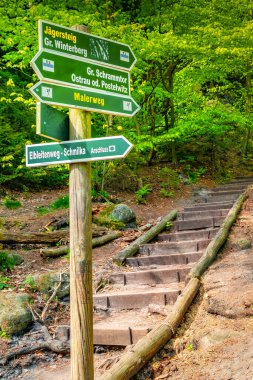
x=215 y=341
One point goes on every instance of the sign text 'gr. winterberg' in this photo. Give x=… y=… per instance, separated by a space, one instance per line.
x=87 y=46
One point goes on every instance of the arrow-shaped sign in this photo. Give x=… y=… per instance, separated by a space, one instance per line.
x=67 y=152
x=73 y=97
x=84 y=45
x=58 y=68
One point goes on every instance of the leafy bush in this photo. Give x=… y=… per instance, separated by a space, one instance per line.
x=6 y=261
x=194 y=174
x=29 y=281
x=169 y=181
x=142 y=193
x=11 y=203
x=4 y=282
x=62 y=202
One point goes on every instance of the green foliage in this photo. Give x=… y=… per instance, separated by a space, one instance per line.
x=142 y=193
x=60 y=203
x=192 y=79
x=4 y=282
x=12 y=203
x=194 y=174
x=6 y=261
x=99 y=195
x=30 y=282
x=169 y=181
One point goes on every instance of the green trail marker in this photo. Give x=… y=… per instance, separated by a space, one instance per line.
x=84 y=45
x=73 y=97
x=52 y=123
x=68 y=152
x=63 y=69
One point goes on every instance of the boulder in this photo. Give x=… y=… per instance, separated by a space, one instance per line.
x=123 y=213
x=46 y=282
x=15 y=315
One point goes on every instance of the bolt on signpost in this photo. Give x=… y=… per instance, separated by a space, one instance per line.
x=86 y=73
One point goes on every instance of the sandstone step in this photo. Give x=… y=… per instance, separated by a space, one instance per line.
x=149 y=277
x=242 y=180
x=209 y=206
x=188 y=235
x=223 y=197
x=123 y=328
x=135 y=299
x=199 y=214
x=159 y=260
x=160 y=248
x=240 y=186
x=182 y=225
x=224 y=192
x=115 y=335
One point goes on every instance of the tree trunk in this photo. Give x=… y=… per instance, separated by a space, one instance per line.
x=148 y=346
x=44 y=237
x=96 y=242
x=218 y=241
x=133 y=248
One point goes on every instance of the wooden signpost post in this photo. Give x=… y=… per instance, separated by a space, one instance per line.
x=88 y=73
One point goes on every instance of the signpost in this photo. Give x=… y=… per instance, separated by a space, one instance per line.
x=68 y=70
x=86 y=73
x=52 y=123
x=68 y=152
x=67 y=96
x=84 y=45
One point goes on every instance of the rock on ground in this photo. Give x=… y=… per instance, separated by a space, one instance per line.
x=15 y=315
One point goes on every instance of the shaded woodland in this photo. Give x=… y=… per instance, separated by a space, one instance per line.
x=192 y=80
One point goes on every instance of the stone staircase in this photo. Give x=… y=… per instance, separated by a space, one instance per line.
x=156 y=275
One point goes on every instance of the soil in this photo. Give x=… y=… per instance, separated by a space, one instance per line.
x=215 y=340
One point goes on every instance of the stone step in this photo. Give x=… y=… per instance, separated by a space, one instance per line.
x=117 y=335
x=199 y=214
x=240 y=186
x=209 y=206
x=159 y=260
x=220 y=197
x=188 y=235
x=149 y=277
x=242 y=180
x=135 y=299
x=173 y=247
x=182 y=225
x=224 y=192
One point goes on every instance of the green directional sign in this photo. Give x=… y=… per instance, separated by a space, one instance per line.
x=52 y=123
x=104 y=148
x=73 y=97
x=71 y=71
x=84 y=45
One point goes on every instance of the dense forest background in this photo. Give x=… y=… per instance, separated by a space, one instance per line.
x=192 y=80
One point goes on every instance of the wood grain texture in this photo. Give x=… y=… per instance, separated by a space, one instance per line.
x=80 y=219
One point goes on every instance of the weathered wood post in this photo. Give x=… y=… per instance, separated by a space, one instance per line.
x=81 y=304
